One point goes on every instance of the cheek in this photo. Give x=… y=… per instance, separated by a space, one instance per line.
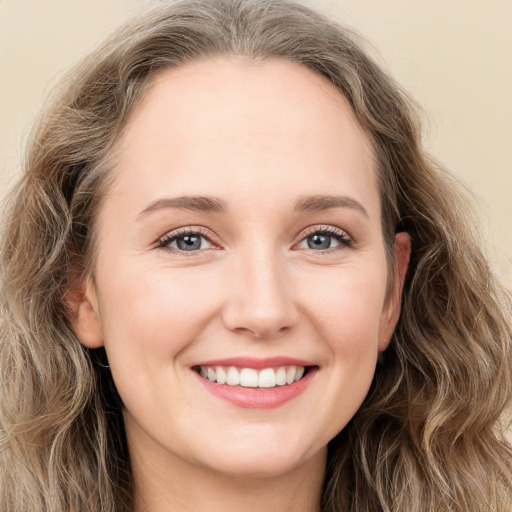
x=149 y=319
x=345 y=315
x=151 y=310
x=348 y=309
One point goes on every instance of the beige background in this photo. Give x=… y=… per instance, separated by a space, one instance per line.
x=454 y=56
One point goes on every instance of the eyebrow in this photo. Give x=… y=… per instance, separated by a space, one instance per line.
x=193 y=203
x=325 y=202
x=314 y=203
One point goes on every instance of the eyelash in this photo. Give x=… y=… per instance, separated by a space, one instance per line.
x=341 y=236
x=166 y=240
x=344 y=239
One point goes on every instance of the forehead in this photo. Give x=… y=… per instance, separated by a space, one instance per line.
x=249 y=89
x=223 y=122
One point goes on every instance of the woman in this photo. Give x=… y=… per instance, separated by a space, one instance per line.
x=231 y=277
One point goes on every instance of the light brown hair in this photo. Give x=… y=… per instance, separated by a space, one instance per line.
x=427 y=437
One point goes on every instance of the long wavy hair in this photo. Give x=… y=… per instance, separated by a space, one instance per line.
x=428 y=435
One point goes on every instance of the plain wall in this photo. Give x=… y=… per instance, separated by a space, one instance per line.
x=454 y=56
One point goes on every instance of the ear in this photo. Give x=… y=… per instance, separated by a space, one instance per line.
x=83 y=311
x=391 y=314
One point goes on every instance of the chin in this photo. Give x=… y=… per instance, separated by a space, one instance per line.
x=259 y=466
x=264 y=457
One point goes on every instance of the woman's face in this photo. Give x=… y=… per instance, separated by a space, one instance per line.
x=239 y=247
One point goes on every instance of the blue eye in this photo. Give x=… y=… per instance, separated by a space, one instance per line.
x=186 y=241
x=324 y=239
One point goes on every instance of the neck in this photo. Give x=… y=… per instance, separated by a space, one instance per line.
x=178 y=486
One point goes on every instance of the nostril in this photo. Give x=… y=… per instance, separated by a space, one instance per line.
x=262 y=332
x=259 y=301
x=257 y=324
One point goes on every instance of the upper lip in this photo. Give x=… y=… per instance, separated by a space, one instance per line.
x=256 y=363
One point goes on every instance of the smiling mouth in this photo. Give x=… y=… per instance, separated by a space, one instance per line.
x=252 y=378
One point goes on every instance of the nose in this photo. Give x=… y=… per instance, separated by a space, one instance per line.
x=260 y=299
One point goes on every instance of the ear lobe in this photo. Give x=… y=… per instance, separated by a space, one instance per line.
x=83 y=312
x=400 y=265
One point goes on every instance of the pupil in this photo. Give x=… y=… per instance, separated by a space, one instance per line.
x=189 y=242
x=319 y=242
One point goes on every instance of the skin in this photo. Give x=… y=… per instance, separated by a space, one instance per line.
x=259 y=136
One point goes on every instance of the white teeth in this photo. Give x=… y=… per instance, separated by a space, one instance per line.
x=233 y=377
x=290 y=374
x=251 y=378
x=267 y=378
x=281 y=376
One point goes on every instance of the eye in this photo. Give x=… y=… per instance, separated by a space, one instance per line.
x=186 y=241
x=322 y=239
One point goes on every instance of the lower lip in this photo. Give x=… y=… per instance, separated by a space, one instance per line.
x=258 y=398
